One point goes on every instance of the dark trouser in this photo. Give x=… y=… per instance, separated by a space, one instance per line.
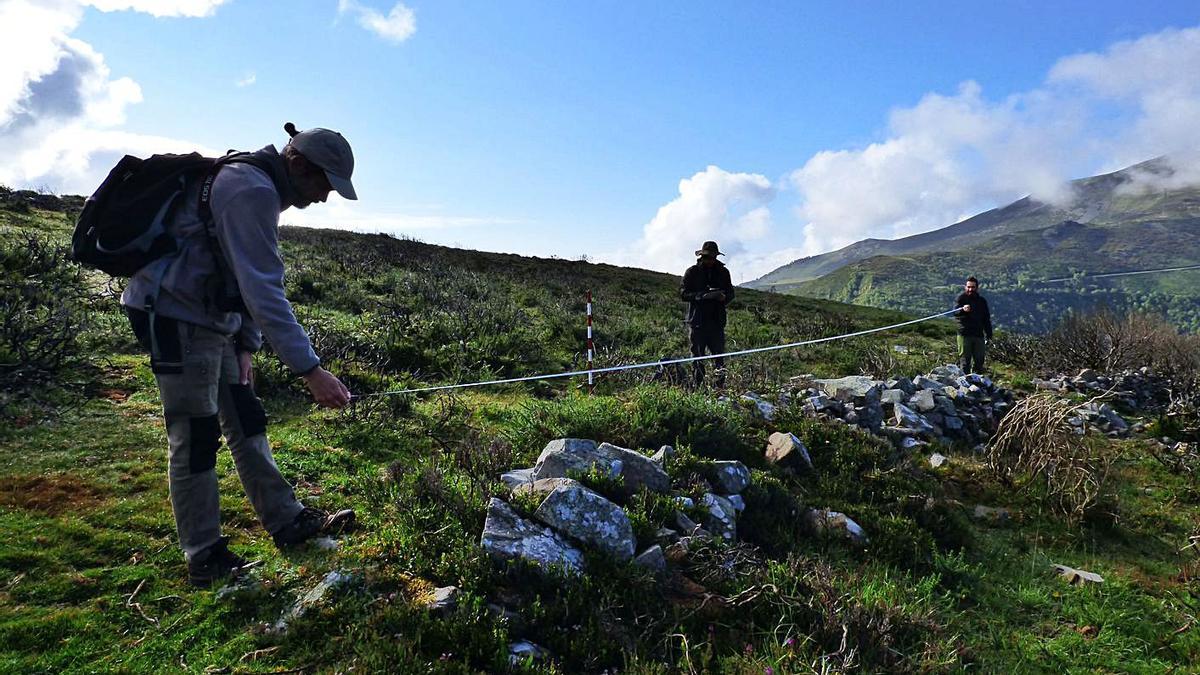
x=971 y=348
x=711 y=338
x=197 y=374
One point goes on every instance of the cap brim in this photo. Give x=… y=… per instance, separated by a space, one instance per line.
x=342 y=185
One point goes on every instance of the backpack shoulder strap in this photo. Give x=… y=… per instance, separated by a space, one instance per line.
x=230 y=301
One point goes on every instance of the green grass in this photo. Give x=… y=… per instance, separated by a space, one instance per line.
x=91 y=579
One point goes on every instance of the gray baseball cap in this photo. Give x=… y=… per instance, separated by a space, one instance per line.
x=328 y=150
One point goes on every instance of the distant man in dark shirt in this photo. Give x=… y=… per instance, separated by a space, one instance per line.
x=707 y=289
x=974 y=327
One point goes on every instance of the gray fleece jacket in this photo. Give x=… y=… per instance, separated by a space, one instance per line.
x=245 y=206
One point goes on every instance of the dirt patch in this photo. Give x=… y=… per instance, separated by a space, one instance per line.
x=52 y=495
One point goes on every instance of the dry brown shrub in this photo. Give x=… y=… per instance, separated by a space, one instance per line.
x=1036 y=445
x=1108 y=342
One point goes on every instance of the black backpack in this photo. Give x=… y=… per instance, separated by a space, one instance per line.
x=122 y=227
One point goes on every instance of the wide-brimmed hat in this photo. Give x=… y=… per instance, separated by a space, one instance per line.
x=709 y=249
x=330 y=151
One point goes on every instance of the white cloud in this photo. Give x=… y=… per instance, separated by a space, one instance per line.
x=714 y=204
x=950 y=156
x=397 y=25
x=60 y=108
x=247 y=80
x=160 y=8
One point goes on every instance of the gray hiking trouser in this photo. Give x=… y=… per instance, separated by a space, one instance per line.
x=197 y=374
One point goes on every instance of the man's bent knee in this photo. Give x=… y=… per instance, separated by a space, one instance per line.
x=205 y=440
x=249 y=410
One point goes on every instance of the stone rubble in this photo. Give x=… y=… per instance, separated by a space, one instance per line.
x=944 y=406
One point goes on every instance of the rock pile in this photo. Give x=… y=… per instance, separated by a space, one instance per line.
x=571 y=517
x=1134 y=389
x=941 y=407
x=1102 y=417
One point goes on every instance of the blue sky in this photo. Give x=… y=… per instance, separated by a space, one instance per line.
x=629 y=132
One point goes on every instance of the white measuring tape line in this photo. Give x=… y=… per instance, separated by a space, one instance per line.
x=654 y=364
x=1106 y=275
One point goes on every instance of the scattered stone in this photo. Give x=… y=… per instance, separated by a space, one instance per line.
x=652 y=559
x=765 y=410
x=903 y=384
x=721 y=516
x=517 y=477
x=739 y=504
x=922 y=382
x=242 y=588
x=324 y=543
x=543 y=486
x=573 y=454
x=686 y=525
x=664 y=453
x=822 y=521
x=906 y=417
x=892 y=396
x=817 y=403
x=850 y=387
x=992 y=514
x=583 y=515
x=314 y=597
x=508 y=536
x=520 y=653
x=445 y=599
x=922 y=401
x=788 y=451
x=1074 y=576
x=936 y=460
x=731 y=477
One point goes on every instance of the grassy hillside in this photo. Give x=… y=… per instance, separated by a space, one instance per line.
x=91 y=581
x=1013 y=268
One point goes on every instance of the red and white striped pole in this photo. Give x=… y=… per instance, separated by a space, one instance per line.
x=591 y=350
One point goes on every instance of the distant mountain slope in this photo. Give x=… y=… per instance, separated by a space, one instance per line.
x=1098 y=202
x=1013 y=269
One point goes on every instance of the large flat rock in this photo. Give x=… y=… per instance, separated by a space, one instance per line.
x=508 y=536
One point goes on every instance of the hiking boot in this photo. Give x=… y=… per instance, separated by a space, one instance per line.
x=312 y=522
x=216 y=562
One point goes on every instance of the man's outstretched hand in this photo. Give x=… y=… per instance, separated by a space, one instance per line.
x=326 y=389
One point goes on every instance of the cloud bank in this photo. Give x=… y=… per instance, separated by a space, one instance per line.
x=952 y=155
x=60 y=108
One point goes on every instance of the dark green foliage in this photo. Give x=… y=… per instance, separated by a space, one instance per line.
x=44 y=308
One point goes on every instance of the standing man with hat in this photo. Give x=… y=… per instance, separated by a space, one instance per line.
x=708 y=289
x=202 y=311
